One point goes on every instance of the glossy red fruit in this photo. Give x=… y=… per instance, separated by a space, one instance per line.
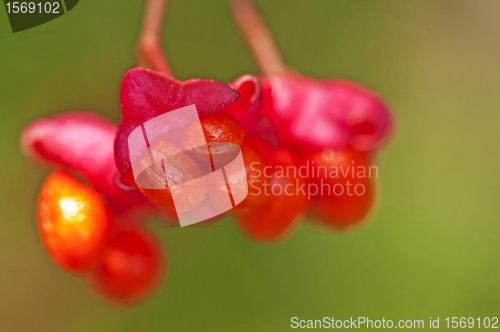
x=74 y=222
x=279 y=213
x=82 y=142
x=222 y=127
x=286 y=197
x=348 y=182
x=219 y=127
x=131 y=266
x=179 y=169
x=344 y=211
x=254 y=168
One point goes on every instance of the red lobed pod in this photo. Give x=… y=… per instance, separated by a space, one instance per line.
x=131 y=268
x=335 y=114
x=247 y=110
x=83 y=142
x=146 y=94
x=310 y=115
x=74 y=223
x=297 y=112
x=183 y=167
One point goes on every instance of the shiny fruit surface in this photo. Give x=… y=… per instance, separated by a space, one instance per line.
x=73 y=220
x=348 y=186
x=173 y=172
x=131 y=266
x=220 y=127
x=254 y=168
x=284 y=206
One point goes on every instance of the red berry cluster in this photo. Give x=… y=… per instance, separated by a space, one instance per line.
x=280 y=122
x=123 y=262
x=289 y=122
x=294 y=121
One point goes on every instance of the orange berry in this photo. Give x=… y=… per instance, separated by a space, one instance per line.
x=350 y=190
x=278 y=214
x=73 y=220
x=219 y=127
x=254 y=168
x=175 y=167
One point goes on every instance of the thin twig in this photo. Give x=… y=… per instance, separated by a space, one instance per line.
x=149 y=48
x=257 y=36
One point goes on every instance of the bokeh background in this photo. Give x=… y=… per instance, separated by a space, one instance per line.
x=432 y=249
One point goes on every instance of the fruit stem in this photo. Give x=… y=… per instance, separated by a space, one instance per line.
x=149 y=48
x=257 y=36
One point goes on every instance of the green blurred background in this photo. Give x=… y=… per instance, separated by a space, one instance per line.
x=432 y=248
